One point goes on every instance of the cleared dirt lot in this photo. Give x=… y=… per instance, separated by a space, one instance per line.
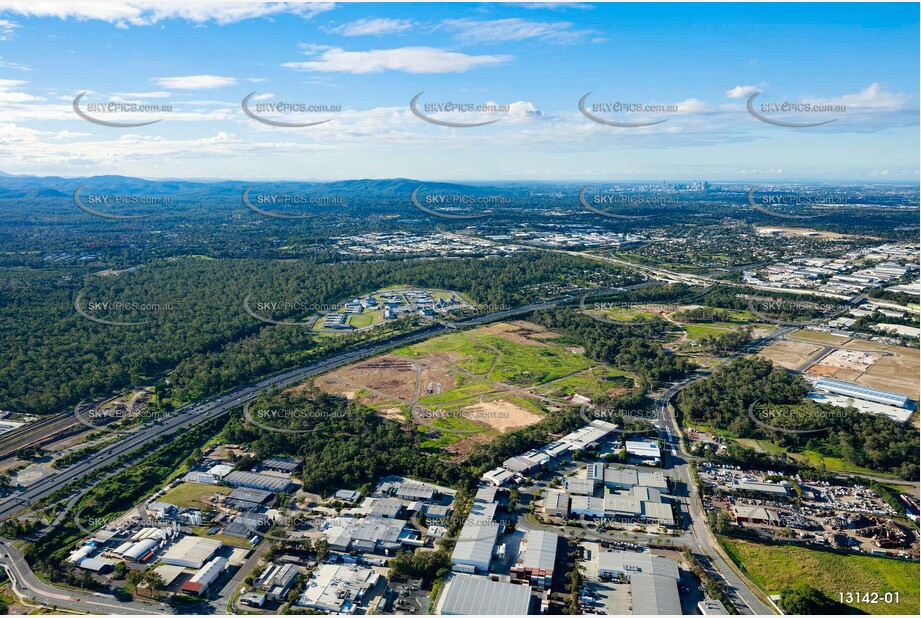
x=818 y=337
x=387 y=379
x=898 y=374
x=789 y=354
x=500 y=415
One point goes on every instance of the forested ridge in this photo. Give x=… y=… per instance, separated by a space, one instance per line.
x=54 y=357
x=723 y=401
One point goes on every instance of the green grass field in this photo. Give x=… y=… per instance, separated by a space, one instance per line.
x=776 y=567
x=697 y=332
x=813 y=458
x=363 y=319
x=524 y=365
x=592 y=384
x=193 y=495
x=475 y=356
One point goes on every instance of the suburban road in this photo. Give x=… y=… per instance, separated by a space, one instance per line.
x=739 y=590
x=34 y=591
x=197 y=413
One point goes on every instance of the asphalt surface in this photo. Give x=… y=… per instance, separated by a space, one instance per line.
x=740 y=591
x=35 y=592
x=194 y=414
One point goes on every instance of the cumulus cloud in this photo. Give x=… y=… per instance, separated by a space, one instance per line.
x=742 y=92
x=194 y=82
x=372 y=27
x=471 y=31
x=125 y=14
x=7 y=29
x=873 y=96
x=406 y=59
x=9 y=92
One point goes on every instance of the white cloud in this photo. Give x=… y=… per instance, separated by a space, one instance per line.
x=555 y=6
x=124 y=14
x=5 y=64
x=407 y=59
x=872 y=96
x=194 y=82
x=741 y=92
x=372 y=27
x=8 y=95
x=472 y=31
x=7 y=29
x=145 y=95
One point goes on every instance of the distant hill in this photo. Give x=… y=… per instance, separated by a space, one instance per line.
x=56 y=186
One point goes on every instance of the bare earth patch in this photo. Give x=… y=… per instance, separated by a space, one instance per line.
x=501 y=415
x=789 y=354
x=516 y=333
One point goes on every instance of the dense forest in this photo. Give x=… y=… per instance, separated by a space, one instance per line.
x=777 y=399
x=632 y=348
x=193 y=319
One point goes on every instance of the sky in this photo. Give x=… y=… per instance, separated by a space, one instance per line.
x=530 y=64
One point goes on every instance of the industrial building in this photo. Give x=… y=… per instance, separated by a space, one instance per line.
x=388 y=508
x=465 y=595
x=284 y=465
x=751 y=514
x=628 y=478
x=537 y=560
x=477 y=539
x=205 y=576
x=191 y=552
x=712 y=607
x=580 y=487
x=587 y=506
x=247 y=499
x=338 y=589
x=220 y=471
x=348 y=495
x=277 y=580
x=654 y=595
x=778 y=489
x=253 y=480
x=414 y=490
x=498 y=477
x=838 y=387
x=643 y=449
x=376 y=535
x=556 y=504
x=626 y=564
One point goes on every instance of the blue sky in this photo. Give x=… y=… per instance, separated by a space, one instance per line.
x=702 y=60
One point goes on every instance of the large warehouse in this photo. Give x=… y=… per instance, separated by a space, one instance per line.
x=862 y=392
x=537 y=560
x=205 y=577
x=191 y=551
x=464 y=595
x=252 y=480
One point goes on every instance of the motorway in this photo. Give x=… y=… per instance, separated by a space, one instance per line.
x=194 y=414
x=34 y=591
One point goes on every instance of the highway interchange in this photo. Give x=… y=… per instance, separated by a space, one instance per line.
x=699 y=535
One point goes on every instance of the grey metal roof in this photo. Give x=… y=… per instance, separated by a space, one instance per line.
x=288 y=464
x=259 y=481
x=654 y=595
x=540 y=552
x=472 y=595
